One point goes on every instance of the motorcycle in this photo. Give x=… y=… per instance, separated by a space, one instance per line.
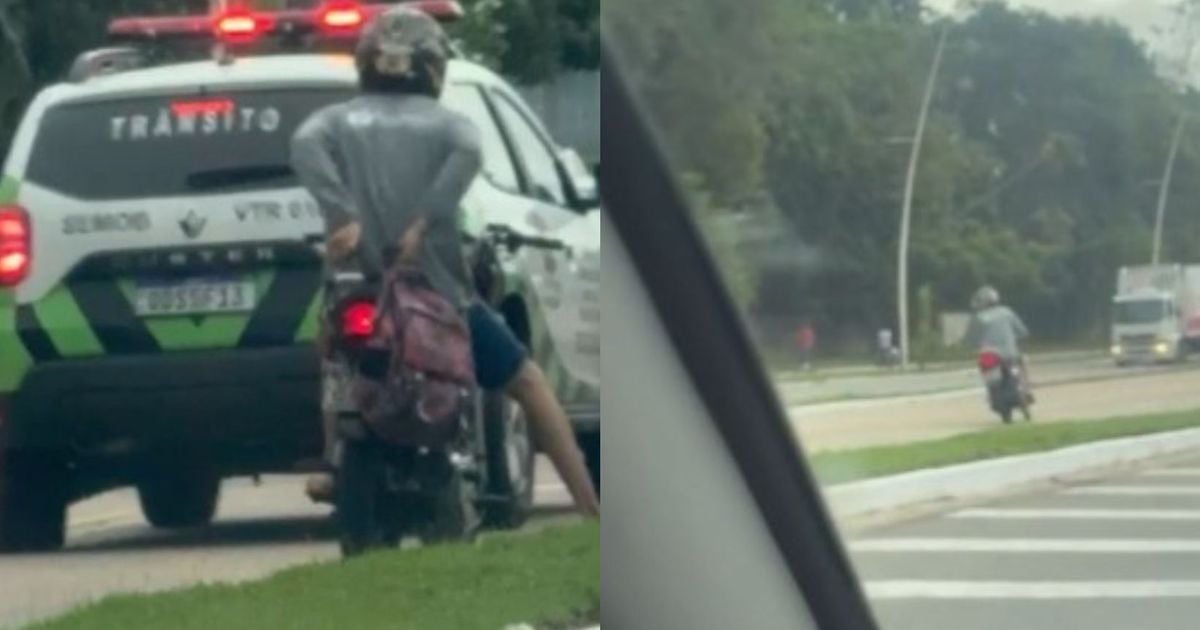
x=484 y=478
x=1006 y=387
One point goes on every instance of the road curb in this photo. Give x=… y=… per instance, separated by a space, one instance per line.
x=818 y=405
x=863 y=499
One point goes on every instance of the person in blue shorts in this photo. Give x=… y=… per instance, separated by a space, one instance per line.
x=389 y=169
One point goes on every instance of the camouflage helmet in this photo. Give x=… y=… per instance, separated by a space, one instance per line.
x=401 y=41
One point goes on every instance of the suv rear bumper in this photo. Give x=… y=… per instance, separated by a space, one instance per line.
x=232 y=402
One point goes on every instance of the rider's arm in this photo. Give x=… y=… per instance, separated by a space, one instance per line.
x=444 y=197
x=315 y=160
x=1019 y=326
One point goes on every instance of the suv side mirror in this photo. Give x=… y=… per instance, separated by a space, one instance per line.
x=582 y=189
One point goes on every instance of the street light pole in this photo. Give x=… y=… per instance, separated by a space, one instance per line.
x=909 y=184
x=1164 y=188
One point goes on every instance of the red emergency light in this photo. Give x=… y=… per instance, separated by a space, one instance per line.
x=341 y=16
x=184 y=109
x=336 y=18
x=240 y=25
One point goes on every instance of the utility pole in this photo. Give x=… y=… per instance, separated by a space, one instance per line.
x=1164 y=188
x=1185 y=30
x=909 y=184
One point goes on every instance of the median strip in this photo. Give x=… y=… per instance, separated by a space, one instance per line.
x=881 y=484
x=834 y=467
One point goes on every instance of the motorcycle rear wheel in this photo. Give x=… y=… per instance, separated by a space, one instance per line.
x=358 y=501
x=455 y=515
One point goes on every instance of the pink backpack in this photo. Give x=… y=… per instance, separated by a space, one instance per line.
x=419 y=387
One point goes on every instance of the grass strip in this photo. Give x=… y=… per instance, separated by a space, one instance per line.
x=832 y=467
x=549 y=578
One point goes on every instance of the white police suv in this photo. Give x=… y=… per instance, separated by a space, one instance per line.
x=159 y=284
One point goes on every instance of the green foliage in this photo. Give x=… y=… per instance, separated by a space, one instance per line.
x=1038 y=173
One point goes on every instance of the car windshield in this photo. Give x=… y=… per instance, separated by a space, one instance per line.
x=859 y=170
x=1139 y=312
x=156 y=147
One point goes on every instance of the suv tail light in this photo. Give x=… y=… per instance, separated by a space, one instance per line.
x=358 y=320
x=16 y=252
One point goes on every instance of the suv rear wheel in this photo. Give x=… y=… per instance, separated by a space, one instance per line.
x=180 y=496
x=510 y=463
x=33 y=501
x=589 y=443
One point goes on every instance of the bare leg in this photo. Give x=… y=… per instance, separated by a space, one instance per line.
x=320 y=486
x=553 y=431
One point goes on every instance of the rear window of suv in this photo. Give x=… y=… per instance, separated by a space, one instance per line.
x=166 y=146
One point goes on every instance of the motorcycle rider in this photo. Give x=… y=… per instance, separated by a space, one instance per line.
x=996 y=327
x=389 y=169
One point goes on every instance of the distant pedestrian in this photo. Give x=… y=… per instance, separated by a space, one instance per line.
x=886 y=351
x=806 y=342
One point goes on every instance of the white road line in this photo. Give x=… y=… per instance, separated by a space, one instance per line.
x=1172 y=472
x=1024 y=545
x=1070 y=514
x=934 y=589
x=1135 y=491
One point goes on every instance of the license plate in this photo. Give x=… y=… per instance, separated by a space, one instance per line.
x=994 y=375
x=194 y=297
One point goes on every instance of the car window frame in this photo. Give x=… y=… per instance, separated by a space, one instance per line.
x=654 y=221
x=495 y=93
x=509 y=150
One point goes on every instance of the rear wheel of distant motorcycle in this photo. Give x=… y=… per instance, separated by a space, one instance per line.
x=357 y=508
x=1006 y=415
x=510 y=463
x=455 y=517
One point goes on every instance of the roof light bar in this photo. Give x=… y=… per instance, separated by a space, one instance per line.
x=334 y=18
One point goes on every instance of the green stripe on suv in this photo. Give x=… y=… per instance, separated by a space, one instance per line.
x=65 y=324
x=9 y=186
x=14 y=358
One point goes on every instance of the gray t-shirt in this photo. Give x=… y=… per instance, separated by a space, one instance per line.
x=997 y=328
x=384 y=161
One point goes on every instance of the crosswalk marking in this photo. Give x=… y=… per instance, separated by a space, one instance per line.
x=1024 y=545
x=1072 y=514
x=1135 y=491
x=880 y=590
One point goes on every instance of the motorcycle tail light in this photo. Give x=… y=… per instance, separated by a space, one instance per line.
x=358 y=320
x=988 y=361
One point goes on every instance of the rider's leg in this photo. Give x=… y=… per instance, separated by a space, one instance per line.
x=553 y=432
x=501 y=362
x=320 y=486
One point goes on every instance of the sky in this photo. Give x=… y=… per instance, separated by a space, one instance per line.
x=1138 y=15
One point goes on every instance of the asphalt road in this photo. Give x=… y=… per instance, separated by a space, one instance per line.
x=881 y=383
x=263 y=529
x=1111 y=555
x=259 y=530
x=906 y=418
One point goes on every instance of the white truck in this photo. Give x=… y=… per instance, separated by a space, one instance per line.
x=1156 y=313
